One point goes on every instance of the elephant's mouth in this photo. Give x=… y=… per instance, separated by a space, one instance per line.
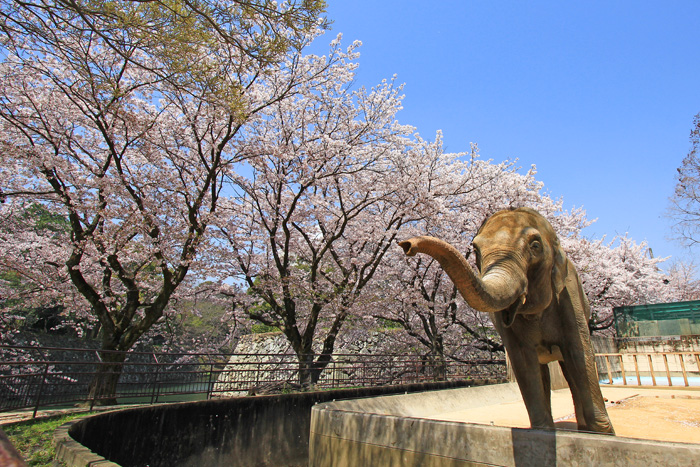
x=508 y=315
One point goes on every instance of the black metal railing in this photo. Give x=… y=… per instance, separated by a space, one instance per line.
x=32 y=377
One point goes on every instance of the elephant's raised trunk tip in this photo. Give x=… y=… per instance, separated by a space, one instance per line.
x=407 y=247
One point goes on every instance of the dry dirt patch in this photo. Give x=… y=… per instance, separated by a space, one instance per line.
x=662 y=418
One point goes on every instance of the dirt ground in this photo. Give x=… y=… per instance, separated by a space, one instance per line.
x=662 y=418
x=661 y=414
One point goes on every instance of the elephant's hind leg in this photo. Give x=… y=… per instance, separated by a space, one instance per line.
x=589 y=404
x=576 y=396
x=546 y=385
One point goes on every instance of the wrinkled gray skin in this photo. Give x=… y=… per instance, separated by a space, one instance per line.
x=535 y=300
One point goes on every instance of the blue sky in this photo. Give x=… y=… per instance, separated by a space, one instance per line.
x=599 y=95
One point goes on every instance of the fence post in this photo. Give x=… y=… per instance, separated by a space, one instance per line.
x=99 y=364
x=210 y=384
x=156 y=387
x=622 y=370
x=41 y=389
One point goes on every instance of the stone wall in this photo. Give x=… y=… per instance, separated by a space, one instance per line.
x=258 y=358
x=266 y=363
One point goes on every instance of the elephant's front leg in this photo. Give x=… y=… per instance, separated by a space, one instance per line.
x=533 y=381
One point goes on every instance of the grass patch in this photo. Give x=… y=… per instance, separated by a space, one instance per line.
x=34 y=438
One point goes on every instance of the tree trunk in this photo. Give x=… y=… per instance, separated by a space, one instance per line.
x=439 y=367
x=306 y=362
x=310 y=370
x=103 y=387
x=437 y=364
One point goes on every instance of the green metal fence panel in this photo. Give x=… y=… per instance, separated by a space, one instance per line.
x=658 y=319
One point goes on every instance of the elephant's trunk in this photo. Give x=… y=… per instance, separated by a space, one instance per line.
x=496 y=291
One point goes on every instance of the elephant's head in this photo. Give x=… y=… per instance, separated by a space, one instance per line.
x=521 y=265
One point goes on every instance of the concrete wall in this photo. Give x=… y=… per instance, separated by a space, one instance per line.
x=660 y=344
x=385 y=431
x=244 y=431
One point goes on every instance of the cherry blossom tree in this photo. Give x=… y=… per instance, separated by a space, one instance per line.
x=130 y=141
x=31 y=236
x=683 y=280
x=684 y=208
x=621 y=272
x=317 y=207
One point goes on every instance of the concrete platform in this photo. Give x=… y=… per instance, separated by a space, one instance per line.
x=486 y=426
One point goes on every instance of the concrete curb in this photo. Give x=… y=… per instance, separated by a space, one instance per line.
x=73 y=453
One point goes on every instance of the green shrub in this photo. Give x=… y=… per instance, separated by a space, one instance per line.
x=261 y=328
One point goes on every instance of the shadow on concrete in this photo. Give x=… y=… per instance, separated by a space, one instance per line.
x=544 y=447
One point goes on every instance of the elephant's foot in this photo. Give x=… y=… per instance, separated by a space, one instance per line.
x=601 y=425
x=543 y=423
x=603 y=429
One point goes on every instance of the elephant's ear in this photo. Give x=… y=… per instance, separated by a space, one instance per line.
x=559 y=269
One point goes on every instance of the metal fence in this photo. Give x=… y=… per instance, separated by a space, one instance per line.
x=32 y=377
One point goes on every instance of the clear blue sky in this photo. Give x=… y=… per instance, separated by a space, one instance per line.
x=599 y=95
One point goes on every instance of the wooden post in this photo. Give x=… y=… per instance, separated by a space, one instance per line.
x=622 y=370
x=651 y=371
x=685 y=375
x=668 y=372
x=607 y=363
x=636 y=370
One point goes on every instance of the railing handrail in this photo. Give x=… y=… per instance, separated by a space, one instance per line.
x=60 y=379
x=669 y=370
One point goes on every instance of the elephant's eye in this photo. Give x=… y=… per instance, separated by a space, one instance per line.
x=478 y=257
x=536 y=246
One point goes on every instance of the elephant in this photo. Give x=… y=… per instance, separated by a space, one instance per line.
x=535 y=300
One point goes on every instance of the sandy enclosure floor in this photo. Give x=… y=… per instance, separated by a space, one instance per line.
x=653 y=414
x=663 y=418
